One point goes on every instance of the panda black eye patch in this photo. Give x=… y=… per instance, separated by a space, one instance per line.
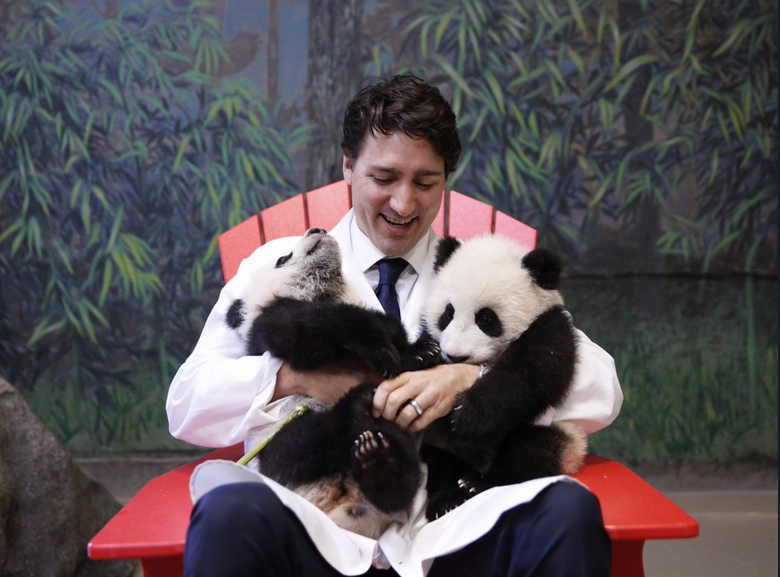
x=488 y=322
x=446 y=317
x=283 y=260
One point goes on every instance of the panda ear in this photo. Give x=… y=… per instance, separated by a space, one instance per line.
x=447 y=246
x=545 y=268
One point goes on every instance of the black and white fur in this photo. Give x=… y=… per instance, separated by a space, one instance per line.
x=494 y=305
x=359 y=470
x=304 y=312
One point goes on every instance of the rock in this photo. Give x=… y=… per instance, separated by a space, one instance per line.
x=49 y=507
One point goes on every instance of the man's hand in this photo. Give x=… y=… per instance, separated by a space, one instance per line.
x=326 y=385
x=435 y=391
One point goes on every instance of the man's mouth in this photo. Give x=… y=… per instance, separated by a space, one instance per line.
x=397 y=222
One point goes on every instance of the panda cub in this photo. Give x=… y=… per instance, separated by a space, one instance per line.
x=493 y=305
x=304 y=312
x=359 y=470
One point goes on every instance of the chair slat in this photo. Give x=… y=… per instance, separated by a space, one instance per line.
x=288 y=218
x=520 y=232
x=328 y=204
x=238 y=243
x=468 y=217
x=439 y=222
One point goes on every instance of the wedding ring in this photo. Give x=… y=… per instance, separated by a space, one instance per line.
x=415 y=405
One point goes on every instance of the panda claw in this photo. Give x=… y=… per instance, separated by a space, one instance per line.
x=368 y=443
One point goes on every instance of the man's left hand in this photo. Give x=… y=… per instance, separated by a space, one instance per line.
x=433 y=390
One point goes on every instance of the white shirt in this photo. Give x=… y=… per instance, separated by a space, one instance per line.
x=220 y=395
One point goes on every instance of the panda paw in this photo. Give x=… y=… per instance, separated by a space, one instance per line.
x=423 y=354
x=445 y=501
x=383 y=359
x=369 y=447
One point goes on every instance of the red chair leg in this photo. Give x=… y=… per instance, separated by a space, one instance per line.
x=627 y=558
x=163 y=566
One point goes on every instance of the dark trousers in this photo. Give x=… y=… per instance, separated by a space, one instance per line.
x=244 y=530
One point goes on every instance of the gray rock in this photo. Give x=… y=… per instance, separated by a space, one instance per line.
x=49 y=507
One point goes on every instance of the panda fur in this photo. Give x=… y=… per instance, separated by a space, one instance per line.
x=303 y=311
x=494 y=305
x=359 y=470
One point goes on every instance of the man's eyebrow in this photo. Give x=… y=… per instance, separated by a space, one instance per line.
x=396 y=172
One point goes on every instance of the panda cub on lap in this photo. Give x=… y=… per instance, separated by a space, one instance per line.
x=494 y=305
x=359 y=470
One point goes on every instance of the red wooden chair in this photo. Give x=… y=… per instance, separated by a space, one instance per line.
x=152 y=526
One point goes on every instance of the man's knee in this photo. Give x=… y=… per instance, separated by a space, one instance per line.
x=237 y=507
x=569 y=504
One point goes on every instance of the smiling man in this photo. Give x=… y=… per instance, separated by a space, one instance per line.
x=400 y=145
x=397 y=185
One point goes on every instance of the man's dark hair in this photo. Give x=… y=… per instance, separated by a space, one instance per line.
x=406 y=103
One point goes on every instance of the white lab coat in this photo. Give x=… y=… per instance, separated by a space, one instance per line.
x=220 y=396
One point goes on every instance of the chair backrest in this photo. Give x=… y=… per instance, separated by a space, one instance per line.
x=460 y=216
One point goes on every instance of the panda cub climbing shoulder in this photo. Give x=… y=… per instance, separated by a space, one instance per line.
x=495 y=305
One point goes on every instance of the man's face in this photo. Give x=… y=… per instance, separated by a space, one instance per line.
x=397 y=184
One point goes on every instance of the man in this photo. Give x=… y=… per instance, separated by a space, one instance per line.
x=400 y=145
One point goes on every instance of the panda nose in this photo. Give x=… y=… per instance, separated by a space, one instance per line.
x=459 y=359
x=312 y=231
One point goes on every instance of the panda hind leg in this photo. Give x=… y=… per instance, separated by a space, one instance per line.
x=535 y=451
x=451 y=481
x=386 y=466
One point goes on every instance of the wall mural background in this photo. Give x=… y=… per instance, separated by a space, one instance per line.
x=639 y=138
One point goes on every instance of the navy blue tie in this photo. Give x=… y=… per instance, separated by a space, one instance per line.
x=389 y=271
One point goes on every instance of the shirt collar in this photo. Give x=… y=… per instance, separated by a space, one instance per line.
x=367 y=254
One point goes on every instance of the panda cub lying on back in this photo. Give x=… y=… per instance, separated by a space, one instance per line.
x=359 y=470
x=493 y=305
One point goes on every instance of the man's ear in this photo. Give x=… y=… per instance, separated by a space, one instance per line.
x=346 y=169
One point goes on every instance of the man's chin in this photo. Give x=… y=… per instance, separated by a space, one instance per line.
x=393 y=247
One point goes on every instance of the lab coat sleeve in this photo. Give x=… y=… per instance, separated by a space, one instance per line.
x=595 y=399
x=220 y=393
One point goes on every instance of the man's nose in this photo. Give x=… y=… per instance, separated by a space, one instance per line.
x=403 y=200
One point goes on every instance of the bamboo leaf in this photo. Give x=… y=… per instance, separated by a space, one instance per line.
x=722 y=244
x=736 y=33
x=180 y=152
x=44 y=328
x=600 y=192
x=452 y=74
x=108 y=275
x=629 y=68
x=577 y=15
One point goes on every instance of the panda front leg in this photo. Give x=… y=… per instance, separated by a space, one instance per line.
x=533 y=374
x=312 y=334
x=424 y=353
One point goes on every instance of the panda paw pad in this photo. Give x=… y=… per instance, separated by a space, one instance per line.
x=369 y=445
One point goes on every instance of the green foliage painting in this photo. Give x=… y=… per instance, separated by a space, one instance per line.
x=658 y=116
x=639 y=137
x=122 y=157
